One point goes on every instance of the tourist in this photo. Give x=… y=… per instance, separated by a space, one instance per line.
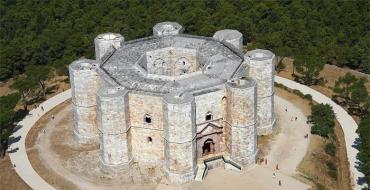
x=277 y=166
x=279 y=182
x=52 y=117
x=286 y=109
x=42 y=108
x=274 y=175
x=296 y=118
x=265 y=161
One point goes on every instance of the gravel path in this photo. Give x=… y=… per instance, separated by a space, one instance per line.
x=28 y=174
x=19 y=158
x=349 y=127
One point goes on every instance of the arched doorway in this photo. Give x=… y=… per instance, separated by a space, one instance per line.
x=208 y=147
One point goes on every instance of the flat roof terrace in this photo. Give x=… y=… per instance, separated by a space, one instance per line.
x=163 y=64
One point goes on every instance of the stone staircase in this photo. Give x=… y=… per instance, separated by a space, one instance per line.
x=200 y=172
x=213 y=163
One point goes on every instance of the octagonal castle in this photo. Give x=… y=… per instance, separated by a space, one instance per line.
x=173 y=100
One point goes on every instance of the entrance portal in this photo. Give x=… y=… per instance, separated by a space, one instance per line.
x=208 y=147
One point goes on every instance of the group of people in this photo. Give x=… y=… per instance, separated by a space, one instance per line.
x=264 y=160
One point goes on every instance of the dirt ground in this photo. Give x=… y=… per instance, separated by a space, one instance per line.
x=65 y=164
x=9 y=179
x=313 y=165
x=330 y=73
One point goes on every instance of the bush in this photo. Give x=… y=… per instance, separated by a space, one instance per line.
x=364 y=147
x=330 y=149
x=322 y=119
x=332 y=169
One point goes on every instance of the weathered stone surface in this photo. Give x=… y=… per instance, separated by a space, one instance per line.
x=105 y=43
x=167 y=28
x=261 y=68
x=84 y=84
x=173 y=100
x=179 y=126
x=233 y=37
x=241 y=117
x=113 y=127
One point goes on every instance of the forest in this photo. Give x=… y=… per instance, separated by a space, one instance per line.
x=42 y=35
x=55 y=32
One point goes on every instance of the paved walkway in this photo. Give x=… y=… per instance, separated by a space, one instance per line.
x=347 y=123
x=19 y=158
x=29 y=175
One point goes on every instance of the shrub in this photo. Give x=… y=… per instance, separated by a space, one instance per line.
x=330 y=149
x=322 y=119
x=332 y=169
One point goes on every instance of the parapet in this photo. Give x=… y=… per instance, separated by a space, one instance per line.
x=178 y=98
x=232 y=37
x=259 y=56
x=84 y=81
x=107 y=42
x=167 y=28
x=243 y=82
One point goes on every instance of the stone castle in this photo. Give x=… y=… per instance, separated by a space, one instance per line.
x=173 y=100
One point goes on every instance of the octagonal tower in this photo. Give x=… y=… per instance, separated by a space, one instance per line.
x=179 y=133
x=112 y=104
x=261 y=68
x=107 y=42
x=85 y=82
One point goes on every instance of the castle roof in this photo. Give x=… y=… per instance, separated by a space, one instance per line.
x=211 y=63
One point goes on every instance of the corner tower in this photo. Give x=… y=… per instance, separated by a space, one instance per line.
x=241 y=118
x=85 y=82
x=179 y=134
x=261 y=68
x=232 y=37
x=106 y=42
x=115 y=144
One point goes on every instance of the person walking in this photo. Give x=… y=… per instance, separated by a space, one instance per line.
x=279 y=182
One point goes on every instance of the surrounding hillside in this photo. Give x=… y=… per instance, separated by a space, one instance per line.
x=55 y=32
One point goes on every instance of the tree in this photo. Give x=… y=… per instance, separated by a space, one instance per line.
x=343 y=84
x=364 y=147
x=7 y=104
x=39 y=73
x=25 y=87
x=322 y=119
x=309 y=66
x=280 y=66
x=354 y=93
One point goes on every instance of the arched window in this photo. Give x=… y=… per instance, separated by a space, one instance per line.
x=147 y=118
x=209 y=116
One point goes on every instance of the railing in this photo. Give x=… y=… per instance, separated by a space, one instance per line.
x=206 y=168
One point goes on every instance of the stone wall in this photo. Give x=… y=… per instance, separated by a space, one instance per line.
x=141 y=106
x=171 y=61
x=84 y=84
x=261 y=68
x=112 y=105
x=241 y=99
x=180 y=146
x=209 y=102
x=107 y=42
x=232 y=37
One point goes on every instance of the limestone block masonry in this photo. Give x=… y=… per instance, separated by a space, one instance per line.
x=180 y=146
x=84 y=84
x=242 y=120
x=261 y=68
x=107 y=42
x=112 y=108
x=232 y=37
x=173 y=101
